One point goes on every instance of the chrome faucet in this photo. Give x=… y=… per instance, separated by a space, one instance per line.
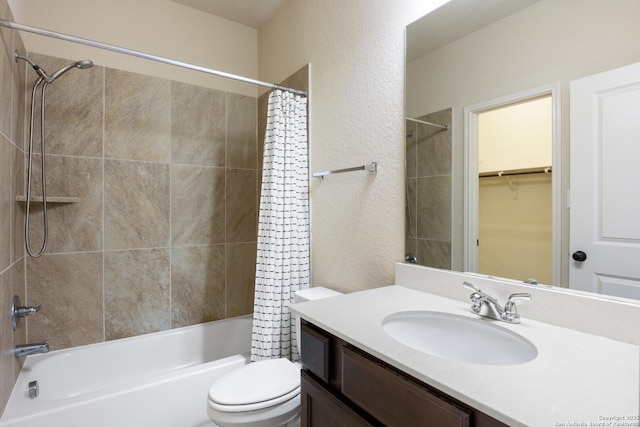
x=24 y=350
x=18 y=312
x=486 y=306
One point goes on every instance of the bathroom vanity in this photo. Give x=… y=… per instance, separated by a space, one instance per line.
x=343 y=385
x=586 y=367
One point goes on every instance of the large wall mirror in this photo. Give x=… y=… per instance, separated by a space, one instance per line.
x=490 y=151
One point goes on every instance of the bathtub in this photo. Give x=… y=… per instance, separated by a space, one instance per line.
x=160 y=379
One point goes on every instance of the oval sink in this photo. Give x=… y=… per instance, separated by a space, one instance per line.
x=459 y=338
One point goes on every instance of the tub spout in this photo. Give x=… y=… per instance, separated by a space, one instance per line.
x=24 y=350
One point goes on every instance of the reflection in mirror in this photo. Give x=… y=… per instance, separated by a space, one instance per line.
x=467 y=53
x=515 y=190
x=428 y=188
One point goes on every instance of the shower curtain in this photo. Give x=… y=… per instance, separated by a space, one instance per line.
x=282 y=261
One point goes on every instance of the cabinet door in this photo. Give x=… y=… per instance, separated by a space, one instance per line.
x=315 y=351
x=393 y=399
x=320 y=408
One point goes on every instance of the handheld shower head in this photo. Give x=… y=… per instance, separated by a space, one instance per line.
x=42 y=77
x=83 y=65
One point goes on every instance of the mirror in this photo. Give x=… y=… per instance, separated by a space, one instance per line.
x=469 y=53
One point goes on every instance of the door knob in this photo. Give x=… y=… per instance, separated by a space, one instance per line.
x=579 y=256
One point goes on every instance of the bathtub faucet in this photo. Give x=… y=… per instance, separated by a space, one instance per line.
x=24 y=350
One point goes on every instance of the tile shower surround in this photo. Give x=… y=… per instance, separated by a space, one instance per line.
x=12 y=261
x=429 y=190
x=167 y=177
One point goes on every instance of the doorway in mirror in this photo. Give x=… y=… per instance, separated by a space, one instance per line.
x=521 y=170
x=514 y=190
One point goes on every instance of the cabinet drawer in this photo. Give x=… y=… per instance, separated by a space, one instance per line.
x=315 y=351
x=392 y=399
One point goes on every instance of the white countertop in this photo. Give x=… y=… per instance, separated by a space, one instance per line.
x=576 y=378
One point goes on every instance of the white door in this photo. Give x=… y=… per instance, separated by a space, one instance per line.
x=605 y=183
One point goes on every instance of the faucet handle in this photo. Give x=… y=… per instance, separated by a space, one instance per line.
x=18 y=311
x=520 y=296
x=472 y=287
x=27 y=311
x=476 y=296
x=510 y=308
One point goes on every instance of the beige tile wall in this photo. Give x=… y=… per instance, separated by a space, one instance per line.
x=429 y=190
x=12 y=262
x=164 y=234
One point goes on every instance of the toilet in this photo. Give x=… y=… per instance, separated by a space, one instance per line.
x=264 y=393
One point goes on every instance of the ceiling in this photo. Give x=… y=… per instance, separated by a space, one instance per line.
x=454 y=20
x=252 y=13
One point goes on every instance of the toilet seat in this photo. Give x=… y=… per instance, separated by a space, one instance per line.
x=255 y=386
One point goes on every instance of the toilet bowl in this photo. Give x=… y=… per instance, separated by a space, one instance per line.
x=264 y=393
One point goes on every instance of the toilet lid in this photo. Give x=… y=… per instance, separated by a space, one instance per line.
x=256 y=385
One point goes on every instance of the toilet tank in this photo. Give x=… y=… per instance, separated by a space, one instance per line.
x=310 y=294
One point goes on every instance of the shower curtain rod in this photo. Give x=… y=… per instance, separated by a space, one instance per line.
x=445 y=127
x=87 y=42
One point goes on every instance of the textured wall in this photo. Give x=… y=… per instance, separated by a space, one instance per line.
x=356 y=53
x=167 y=211
x=12 y=262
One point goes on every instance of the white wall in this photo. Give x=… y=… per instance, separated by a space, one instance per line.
x=536 y=46
x=356 y=51
x=157 y=27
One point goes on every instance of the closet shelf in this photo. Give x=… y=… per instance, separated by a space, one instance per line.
x=50 y=199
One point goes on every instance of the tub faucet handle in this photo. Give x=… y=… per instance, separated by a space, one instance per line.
x=19 y=311
x=27 y=311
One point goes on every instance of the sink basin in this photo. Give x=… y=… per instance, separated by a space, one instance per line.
x=459 y=338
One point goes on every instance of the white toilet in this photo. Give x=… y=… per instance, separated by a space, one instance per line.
x=264 y=393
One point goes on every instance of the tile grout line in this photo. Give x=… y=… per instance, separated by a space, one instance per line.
x=226 y=247
x=104 y=285
x=171 y=86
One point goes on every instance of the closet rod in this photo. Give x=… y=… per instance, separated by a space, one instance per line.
x=516 y=172
x=445 y=127
x=87 y=42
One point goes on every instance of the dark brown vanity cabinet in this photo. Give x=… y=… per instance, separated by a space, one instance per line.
x=345 y=386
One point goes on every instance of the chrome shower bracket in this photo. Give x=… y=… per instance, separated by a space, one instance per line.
x=18 y=311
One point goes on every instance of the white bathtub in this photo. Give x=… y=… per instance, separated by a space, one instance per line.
x=158 y=380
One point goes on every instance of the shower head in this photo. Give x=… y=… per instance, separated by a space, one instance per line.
x=83 y=65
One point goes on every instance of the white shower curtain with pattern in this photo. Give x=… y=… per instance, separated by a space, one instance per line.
x=282 y=262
